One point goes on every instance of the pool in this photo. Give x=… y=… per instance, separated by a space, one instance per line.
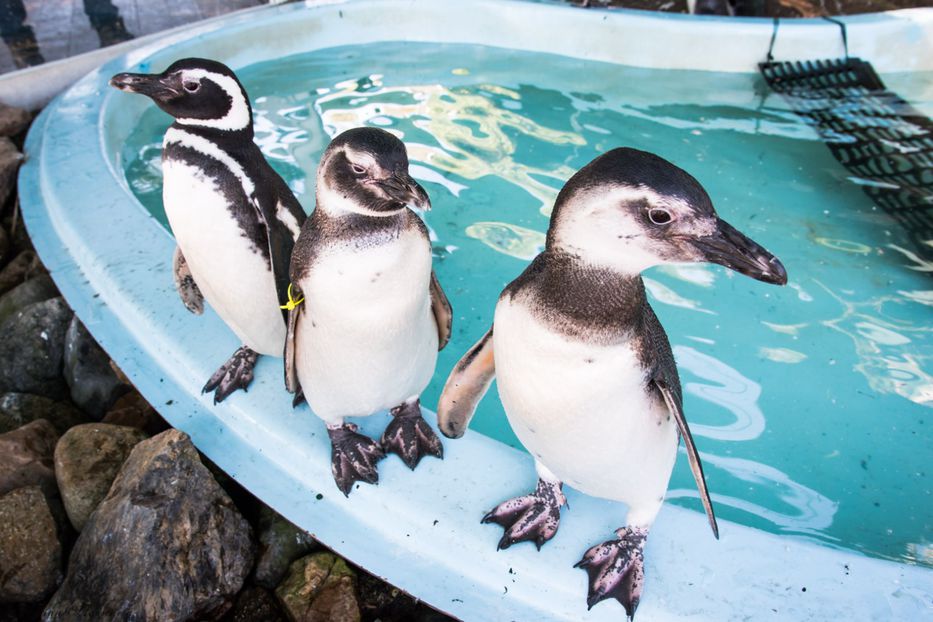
x=839 y=462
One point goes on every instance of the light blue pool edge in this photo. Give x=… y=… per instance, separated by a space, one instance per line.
x=119 y=284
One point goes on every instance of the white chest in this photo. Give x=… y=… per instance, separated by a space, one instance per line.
x=581 y=408
x=234 y=278
x=367 y=336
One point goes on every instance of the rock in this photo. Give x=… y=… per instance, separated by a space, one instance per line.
x=22 y=267
x=4 y=245
x=255 y=604
x=34 y=290
x=133 y=410
x=19 y=237
x=10 y=159
x=18 y=409
x=94 y=386
x=165 y=544
x=13 y=120
x=27 y=458
x=32 y=345
x=319 y=588
x=280 y=543
x=87 y=459
x=30 y=553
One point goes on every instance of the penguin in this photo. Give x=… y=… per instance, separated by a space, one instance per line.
x=584 y=369
x=373 y=315
x=234 y=218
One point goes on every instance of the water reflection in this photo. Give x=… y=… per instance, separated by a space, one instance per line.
x=469 y=129
x=879 y=341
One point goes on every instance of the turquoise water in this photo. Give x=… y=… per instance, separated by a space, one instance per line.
x=810 y=403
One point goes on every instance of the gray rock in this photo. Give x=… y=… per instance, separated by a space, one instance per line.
x=27 y=458
x=319 y=588
x=165 y=544
x=94 y=386
x=25 y=265
x=280 y=543
x=10 y=159
x=13 y=120
x=132 y=409
x=34 y=290
x=30 y=553
x=32 y=345
x=18 y=409
x=4 y=244
x=87 y=459
x=255 y=604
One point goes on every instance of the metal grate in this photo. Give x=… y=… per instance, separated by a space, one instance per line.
x=874 y=133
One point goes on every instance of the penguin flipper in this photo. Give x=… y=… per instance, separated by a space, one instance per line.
x=188 y=290
x=443 y=314
x=280 y=241
x=291 y=373
x=466 y=386
x=696 y=466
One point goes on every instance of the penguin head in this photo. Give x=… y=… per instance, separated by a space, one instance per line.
x=196 y=91
x=365 y=170
x=629 y=210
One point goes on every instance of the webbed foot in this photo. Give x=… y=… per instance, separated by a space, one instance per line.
x=616 y=569
x=235 y=374
x=410 y=436
x=353 y=457
x=533 y=517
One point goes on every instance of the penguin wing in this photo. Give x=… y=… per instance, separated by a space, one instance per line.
x=466 y=386
x=291 y=374
x=675 y=406
x=188 y=290
x=443 y=314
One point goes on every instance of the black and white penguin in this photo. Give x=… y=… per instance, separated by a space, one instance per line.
x=234 y=218
x=373 y=316
x=585 y=370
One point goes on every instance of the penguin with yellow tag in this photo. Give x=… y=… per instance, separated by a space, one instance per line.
x=373 y=317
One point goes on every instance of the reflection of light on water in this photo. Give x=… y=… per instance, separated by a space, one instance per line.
x=663 y=293
x=782 y=355
x=470 y=129
x=423 y=173
x=735 y=392
x=813 y=511
x=879 y=345
x=691 y=273
x=508 y=239
x=920 y=552
x=785 y=329
x=920 y=264
x=843 y=245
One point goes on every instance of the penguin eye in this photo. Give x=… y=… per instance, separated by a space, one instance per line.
x=191 y=86
x=356 y=168
x=659 y=216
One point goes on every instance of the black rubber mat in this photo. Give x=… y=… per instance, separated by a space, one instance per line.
x=880 y=138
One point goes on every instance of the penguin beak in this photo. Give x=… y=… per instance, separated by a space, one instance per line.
x=151 y=85
x=729 y=247
x=401 y=187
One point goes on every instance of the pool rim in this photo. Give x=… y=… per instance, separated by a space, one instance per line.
x=100 y=279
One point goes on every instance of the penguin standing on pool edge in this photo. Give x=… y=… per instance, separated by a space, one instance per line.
x=373 y=316
x=233 y=217
x=584 y=369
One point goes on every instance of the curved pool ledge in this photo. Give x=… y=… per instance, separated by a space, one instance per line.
x=420 y=530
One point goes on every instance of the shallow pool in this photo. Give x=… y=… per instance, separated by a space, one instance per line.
x=810 y=403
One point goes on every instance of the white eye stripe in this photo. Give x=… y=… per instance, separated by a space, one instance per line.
x=237 y=118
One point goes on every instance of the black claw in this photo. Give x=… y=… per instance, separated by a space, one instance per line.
x=353 y=457
x=298 y=399
x=616 y=569
x=410 y=437
x=533 y=517
x=235 y=374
